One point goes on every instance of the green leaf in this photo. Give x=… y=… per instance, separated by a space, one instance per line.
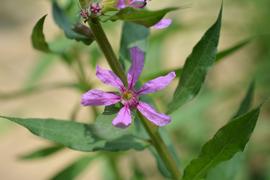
x=247 y=101
x=139 y=38
x=84 y=3
x=38 y=38
x=229 y=140
x=141 y=16
x=37 y=89
x=228 y=170
x=41 y=67
x=220 y=56
x=63 y=22
x=83 y=137
x=72 y=171
x=196 y=67
x=41 y=153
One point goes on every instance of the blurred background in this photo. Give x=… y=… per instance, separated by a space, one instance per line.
x=22 y=67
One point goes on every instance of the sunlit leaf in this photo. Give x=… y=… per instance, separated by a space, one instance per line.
x=83 y=137
x=229 y=140
x=73 y=170
x=38 y=38
x=141 y=16
x=42 y=153
x=196 y=67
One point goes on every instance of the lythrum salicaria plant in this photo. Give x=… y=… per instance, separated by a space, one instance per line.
x=112 y=130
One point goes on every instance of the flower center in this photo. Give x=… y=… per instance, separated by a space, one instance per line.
x=129 y=98
x=127 y=95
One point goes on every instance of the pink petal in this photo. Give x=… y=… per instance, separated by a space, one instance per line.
x=123 y=118
x=137 y=3
x=98 y=98
x=121 y=4
x=157 y=84
x=137 y=58
x=108 y=77
x=150 y=113
x=164 y=23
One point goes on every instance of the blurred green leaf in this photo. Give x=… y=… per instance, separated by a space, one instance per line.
x=247 y=101
x=84 y=3
x=141 y=16
x=138 y=38
x=196 y=67
x=232 y=50
x=229 y=140
x=220 y=56
x=73 y=170
x=38 y=38
x=83 y=137
x=37 y=89
x=40 y=69
x=41 y=153
x=63 y=22
x=228 y=170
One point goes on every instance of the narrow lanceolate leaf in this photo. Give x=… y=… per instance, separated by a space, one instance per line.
x=38 y=38
x=139 y=39
x=73 y=170
x=228 y=170
x=220 y=56
x=42 y=153
x=196 y=67
x=63 y=22
x=141 y=16
x=229 y=140
x=247 y=101
x=82 y=137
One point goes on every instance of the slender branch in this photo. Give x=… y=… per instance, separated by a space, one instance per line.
x=157 y=141
x=160 y=146
x=106 y=48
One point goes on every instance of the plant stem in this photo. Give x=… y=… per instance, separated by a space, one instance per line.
x=152 y=130
x=160 y=147
x=106 y=48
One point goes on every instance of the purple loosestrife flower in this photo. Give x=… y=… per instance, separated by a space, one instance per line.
x=164 y=23
x=128 y=96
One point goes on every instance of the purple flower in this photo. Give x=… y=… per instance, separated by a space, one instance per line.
x=128 y=96
x=164 y=23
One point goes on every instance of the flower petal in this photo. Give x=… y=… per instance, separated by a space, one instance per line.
x=150 y=113
x=123 y=118
x=163 y=23
x=108 y=77
x=157 y=84
x=121 y=4
x=98 y=98
x=137 y=3
x=137 y=58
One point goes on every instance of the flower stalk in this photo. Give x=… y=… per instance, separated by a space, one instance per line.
x=116 y=67
x=106 y=48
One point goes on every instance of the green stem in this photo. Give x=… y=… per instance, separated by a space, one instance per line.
x=106 y=48
x=160 y=147
x=157 y=141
